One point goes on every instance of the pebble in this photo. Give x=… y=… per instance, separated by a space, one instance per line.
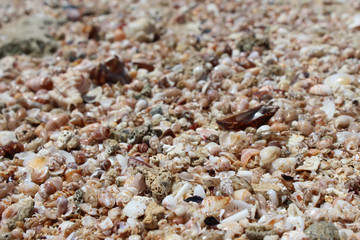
x=322 y=231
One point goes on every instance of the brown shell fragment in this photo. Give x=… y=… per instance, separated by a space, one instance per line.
x=254 y=117
x=112 y=71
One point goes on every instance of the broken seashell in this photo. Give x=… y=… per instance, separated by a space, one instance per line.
x=112 y=71
x=310 y=164
x=254 y=117
x=93 y=95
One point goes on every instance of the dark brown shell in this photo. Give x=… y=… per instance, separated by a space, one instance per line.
x=248 y=118
x=112 y=71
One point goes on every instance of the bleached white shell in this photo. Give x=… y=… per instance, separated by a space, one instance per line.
x=136 y=207
x=321 y=90
x=338 y=79
x=284 y=164
x=6 y=137
x=310 y=164
x=269 y=154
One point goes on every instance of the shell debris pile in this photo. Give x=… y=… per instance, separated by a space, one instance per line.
x=180 y=120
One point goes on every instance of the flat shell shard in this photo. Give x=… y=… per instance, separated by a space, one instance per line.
x=112 y=71
x=254 y=117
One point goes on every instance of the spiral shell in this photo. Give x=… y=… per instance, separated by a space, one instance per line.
x=50 y=187
x=100 y=134
x=56 y=121
x=68 y=89
x=247 y=154
x=38 y=83
x=29 y=188
x=39 y=175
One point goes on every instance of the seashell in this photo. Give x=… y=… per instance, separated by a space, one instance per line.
x=10 y=149
x=320 y=90
x=236 y=217
x=62 y=205
x=294 y=235
x=101 y=133
x=68 y=88
x=114 y=213
x=329 y=109
x=135 y=161
x=56 y=121
x=343 y=121
x=37 y=83
x=88 y=209
x=254 y=117
x=6 y=189
x=73 y=175
x=213 y=204
x=310 y=164
x=52 y=185
x=226 y=187
x=39 y=175
x=136 y=207
x=111 y=71
x=6 y=137
x=124 y=197
x=269 y=154
x=9 y=212
x=230 y=139
x=142 y=29
x=338 y=79
x=29 y=188
x=91 y=197
x=305 y=127
x=284 y=164
x=247 y=154
x=242 y=195
x=106 y=199
x=93 y=95
x=351 y=144
x=355 y=22
x=106 y=224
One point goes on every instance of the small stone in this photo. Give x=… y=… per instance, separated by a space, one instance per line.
x=28 y=35
x=158 y=180
x=322 y=231
x=153 y=214
x=79 y=196
x=196 y=199
x=156 y=110
x=111 y=145
x=249 y=42
x=211 y=221
x=25 y=211
x=258 y=233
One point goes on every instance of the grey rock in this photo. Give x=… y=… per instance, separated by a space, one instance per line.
x=156 y=110
x=322 y=231
x=25 y=211
x=28 y=35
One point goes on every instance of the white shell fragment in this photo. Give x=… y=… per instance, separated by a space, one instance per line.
x=310 y=164
x=136 y=207
x=284 y=164
x=236 y=217
x=339 y=79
